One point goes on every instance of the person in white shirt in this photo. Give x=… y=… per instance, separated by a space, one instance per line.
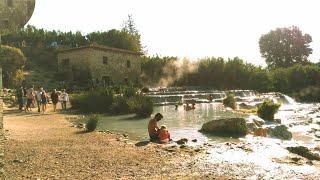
x=64 y=99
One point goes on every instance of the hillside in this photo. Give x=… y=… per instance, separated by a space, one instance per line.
x=40 y=75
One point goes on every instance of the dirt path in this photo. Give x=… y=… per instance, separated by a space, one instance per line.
x=46 y=147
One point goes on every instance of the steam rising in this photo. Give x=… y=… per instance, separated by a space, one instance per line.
x=175 y=70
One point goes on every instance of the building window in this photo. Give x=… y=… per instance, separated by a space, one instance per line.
x=128 y=64
x=10 y=3
x=105 y=60
x=66 y=62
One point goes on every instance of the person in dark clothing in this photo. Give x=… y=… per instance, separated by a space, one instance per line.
x=44 y=101
x=20 y=98
x=55 y=99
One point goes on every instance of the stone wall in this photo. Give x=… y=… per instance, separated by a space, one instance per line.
x=92 y=60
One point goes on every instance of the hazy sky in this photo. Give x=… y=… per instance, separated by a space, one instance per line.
x=187 y=28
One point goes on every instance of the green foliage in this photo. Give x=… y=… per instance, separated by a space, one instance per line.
x=92 y=123
x=98 y=101
x=129 y=91
x=106 y=101
x=229 y=101
x=12 y=60
x=141 y=105
x=120 y=106
x=309 y=94
x=267 y=110
x=153 y=68
x=285 y=47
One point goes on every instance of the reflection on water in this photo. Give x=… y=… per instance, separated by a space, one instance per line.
x=181 y=123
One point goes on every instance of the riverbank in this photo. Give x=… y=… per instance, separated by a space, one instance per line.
x=47 y=147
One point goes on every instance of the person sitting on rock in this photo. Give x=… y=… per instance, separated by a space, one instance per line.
x=153 y=128
x=164 y=135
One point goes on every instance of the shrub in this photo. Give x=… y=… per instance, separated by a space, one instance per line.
x=129 y=91
x=93 y=102
x=229 y=101
x=92 y=123
x=267 y=110
x=309 y=94
x=120 y=106
x=142 y=106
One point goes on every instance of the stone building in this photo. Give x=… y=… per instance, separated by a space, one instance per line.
x=101 y=64
x=15 y=13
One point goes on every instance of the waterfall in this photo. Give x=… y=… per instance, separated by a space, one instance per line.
x=289 y=100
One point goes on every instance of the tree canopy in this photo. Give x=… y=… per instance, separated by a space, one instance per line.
x=39 y=38
x=285 y=47
x=12 y=61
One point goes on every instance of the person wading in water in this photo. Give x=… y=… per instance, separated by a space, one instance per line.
x=153 y=128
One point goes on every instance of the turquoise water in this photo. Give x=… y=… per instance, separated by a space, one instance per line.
x=181 y=123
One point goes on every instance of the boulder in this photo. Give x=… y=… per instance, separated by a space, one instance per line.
x=257 y=120
x=280 y=132
x=182 y=141
x=260 y=132
x=254 y=122
x=228 y=126
x=304 y=152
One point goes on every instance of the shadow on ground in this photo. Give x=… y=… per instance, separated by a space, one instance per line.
x=142 y=143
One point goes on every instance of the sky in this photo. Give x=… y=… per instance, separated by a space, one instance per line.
x=187 y=28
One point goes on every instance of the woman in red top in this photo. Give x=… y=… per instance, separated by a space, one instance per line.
x=164 y=135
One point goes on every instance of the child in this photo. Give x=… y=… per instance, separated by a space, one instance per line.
x=164 y=135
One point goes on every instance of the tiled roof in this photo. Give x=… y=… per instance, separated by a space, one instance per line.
x=103 y=48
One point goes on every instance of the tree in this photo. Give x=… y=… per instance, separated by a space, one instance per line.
x=285 y=47
x=130 y=26
x=118 y=39
x=12 y=61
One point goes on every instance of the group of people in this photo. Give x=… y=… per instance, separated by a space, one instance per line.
x=187 y=107
x=157 y=134
x=28 y=98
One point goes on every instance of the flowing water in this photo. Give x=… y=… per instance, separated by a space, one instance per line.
x=302 y=119
x=181 y=123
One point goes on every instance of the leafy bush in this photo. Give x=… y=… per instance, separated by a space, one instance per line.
x=229 y=101
x=267 y=110
x=309 y=94
x=141 y=105
x=129 y=91
x=93 y=102
x=105 y=101
x=120 y=106
x=92 y=123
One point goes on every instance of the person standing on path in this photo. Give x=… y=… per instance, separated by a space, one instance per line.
x=64 y=99
x=20 y=98
x=44 y=100
x=30 y=96
x=55 y=99
x=38 y=98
